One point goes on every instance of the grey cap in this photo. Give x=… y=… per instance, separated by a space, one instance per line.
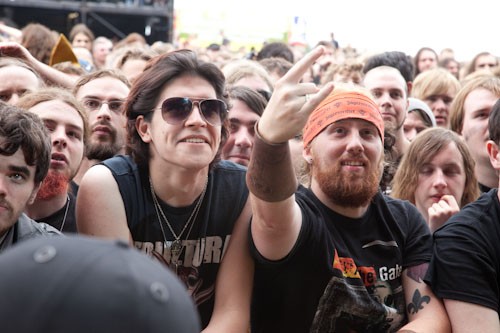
x=417 y=104
x=82 y=284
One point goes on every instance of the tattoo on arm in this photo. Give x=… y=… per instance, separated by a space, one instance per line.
x=417 y=302
x=417 y=273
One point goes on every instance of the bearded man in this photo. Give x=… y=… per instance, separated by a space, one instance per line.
x=338 y=256
x=102 y=94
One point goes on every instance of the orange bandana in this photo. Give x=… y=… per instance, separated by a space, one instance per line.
x=338 y=106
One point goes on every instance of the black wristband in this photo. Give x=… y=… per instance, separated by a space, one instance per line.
x=271 y=176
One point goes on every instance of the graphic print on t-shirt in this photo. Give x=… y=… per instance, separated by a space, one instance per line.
x=361 y=299
x=186 y=265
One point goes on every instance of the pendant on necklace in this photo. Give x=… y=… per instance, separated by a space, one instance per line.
x=176 y=248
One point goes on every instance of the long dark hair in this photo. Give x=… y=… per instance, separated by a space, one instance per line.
x=146 y=90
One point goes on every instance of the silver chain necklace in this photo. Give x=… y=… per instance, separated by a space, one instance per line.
x=65 y=213
x=176 y=246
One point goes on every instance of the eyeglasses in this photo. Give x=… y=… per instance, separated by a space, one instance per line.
x=93 y=104
x=177 y=109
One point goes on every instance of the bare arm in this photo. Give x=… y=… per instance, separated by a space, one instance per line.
x=99 y=206
x=233 y=289
x=425 y=311
x=13 y=33
x=276 y=217
x=51 y=75
x=468 y=317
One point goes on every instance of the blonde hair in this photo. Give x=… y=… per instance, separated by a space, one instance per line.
x=488 y=82
x=423 y=148
x=31 y=99
x=437 y=81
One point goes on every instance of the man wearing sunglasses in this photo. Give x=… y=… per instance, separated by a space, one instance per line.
x=103 y=95
x=172 y=197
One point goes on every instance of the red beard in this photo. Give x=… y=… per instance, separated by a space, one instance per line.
x=53 y=185
x=346 y=189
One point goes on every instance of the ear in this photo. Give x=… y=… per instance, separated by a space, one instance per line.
x=493 y=153
x=142 y=126
x=34 y=193
x=306 y=153
x=409 y=86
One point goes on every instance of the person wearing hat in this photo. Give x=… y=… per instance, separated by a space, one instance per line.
x=85 y=285
x=419 y=117
x=25 y=150
x=338 y=256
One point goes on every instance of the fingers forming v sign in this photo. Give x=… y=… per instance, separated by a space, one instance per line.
x=292 y=102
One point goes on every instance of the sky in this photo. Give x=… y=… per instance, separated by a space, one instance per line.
x=468 y=27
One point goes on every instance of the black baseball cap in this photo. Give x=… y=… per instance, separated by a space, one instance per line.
x=82 y=284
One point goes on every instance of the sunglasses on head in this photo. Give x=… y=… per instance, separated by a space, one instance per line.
x=175 y=110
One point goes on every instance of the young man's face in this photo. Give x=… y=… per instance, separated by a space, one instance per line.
x=440 y=106
x=388 y=88
x=66 y=132
x=346 y=160
x=242 y=119
x=17 y=188
x=477 y=108
x=103 y=99
x=191 y=143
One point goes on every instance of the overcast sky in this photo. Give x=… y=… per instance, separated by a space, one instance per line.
x=468 y=27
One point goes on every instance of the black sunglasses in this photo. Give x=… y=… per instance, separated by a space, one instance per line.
x=175 y=110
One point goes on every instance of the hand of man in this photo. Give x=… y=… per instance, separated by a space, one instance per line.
x=292 y=102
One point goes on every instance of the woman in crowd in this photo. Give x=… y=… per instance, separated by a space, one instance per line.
x=436 y=174
x=437 y=88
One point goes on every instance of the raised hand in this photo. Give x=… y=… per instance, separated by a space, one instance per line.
x=292 y=102
x=442 y=210
x=15 y=50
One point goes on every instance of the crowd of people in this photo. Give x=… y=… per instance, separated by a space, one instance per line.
x=286 y=189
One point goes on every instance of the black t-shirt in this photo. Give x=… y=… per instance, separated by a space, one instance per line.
x=343 y=274
x=203 y=244
x=466 y=262
x=64 y=215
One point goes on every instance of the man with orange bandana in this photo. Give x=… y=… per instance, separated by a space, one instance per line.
x=338 y=256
